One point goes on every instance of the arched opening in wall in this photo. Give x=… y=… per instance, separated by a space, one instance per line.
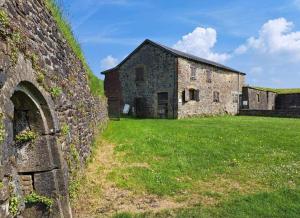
x=37 y=159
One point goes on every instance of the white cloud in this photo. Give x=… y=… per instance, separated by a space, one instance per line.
x=275 y=38
x=201 y=42
x=109 y=62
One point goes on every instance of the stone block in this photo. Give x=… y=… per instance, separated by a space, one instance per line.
x=34 y=157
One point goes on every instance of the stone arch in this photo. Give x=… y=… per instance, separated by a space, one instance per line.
x=33 y=166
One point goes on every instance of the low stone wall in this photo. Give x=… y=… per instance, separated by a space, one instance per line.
x=288 y=101
x=292 y=113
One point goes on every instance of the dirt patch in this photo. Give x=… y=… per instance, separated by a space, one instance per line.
x=98 y=197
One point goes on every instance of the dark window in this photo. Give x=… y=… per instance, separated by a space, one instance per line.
x=162 y=100
x=208 y=76
x=162 y=97
x=139 y=74
x=257 y=97
x=216 y=96
x=194 y=95
x=183 y=97
x=193 y=73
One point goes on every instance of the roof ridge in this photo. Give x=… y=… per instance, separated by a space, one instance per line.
x=178 y=54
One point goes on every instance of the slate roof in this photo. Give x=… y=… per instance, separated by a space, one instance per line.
x=177 y=54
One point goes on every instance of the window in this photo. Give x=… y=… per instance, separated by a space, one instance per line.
x=236 y=98
x=162 y=97
x=183 y=97
x=194 y=95
x=208 y=76
x=193 y=73
x=139 y=74
x=216 y=97
x=257 y=97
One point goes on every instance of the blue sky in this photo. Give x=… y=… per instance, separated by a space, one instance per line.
x=260 y=38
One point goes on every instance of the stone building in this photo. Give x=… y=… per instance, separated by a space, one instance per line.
x=47 y=112
x=161 y=82
x=261 y=102
x=258 y=99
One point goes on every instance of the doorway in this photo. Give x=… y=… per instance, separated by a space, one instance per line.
x=162 y=107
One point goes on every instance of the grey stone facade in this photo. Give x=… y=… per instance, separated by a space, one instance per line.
x=169 y=78
x=227 y=84
x=159 y=76
x=257 y=99
x=259 y=102
x=44 y=89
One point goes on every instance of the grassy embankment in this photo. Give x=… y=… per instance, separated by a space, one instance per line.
x=95 y=84
x=212 y=167
x=281 y=91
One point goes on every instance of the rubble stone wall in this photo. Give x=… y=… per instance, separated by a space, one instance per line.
x=43 y=89
x=227 y=84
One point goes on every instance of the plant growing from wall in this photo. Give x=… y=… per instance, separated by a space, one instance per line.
x=34 y=198
x=15 y=42
x=4 y=20
x=65 y=129
x=2 y=131
x=75 y=155
x=74 y=185
x=13 y=208
x=26 y=136
x=40 y=78
x=55 y=91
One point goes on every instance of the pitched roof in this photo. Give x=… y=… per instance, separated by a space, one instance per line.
x=177 y=54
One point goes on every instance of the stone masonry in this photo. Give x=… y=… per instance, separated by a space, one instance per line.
x=227 y=84
x=160 y=82
x=43 y=89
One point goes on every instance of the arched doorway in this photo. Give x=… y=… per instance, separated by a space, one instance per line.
x=37 y=163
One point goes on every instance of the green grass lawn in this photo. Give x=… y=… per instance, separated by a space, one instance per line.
x=237 y=166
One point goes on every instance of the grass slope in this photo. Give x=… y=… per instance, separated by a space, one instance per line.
x=95 y=84
x=222 y=166
x=280 y=91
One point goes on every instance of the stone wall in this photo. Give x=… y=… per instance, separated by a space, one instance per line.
x=227 y=84
x=256 y=99
x=159 y=76
x=288 y=101
x=113 y=92
x=289 y=113
x=43 y=89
